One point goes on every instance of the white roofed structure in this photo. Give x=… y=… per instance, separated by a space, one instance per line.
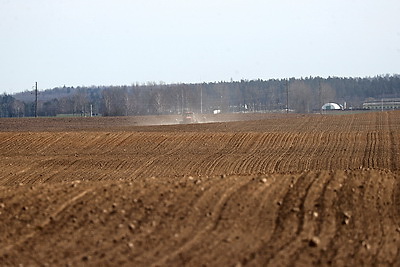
x=331 y=106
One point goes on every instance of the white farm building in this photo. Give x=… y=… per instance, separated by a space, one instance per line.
x=332 y=106
x=384 y=103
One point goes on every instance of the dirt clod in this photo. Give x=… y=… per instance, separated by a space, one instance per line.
x=346 y=217
x=314 y=241
x=295 y=209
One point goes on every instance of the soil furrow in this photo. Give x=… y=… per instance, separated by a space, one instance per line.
x=43 y=224
x=198 y=236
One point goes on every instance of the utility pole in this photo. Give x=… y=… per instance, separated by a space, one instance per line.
x=287 y=96
x=182 y=100
x=36 y=100
x=320 y=95
x=201 y=100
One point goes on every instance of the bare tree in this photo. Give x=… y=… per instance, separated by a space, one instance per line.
x=301 y=97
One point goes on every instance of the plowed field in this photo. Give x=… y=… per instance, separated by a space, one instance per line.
x=257 y=190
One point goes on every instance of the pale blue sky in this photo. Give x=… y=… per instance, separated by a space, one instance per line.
x=120 y=42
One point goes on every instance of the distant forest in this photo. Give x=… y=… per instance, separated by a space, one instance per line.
x=305 y=95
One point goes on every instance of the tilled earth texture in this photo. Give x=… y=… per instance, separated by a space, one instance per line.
x=255 y=190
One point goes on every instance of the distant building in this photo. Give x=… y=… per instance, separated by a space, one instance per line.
x=332 y=106
x=384 y=103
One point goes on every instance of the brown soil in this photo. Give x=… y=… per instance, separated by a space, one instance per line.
x=258 y=190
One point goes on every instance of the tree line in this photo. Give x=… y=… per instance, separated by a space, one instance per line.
x=304 y=95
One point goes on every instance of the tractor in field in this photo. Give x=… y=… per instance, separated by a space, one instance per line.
x=188 y=117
